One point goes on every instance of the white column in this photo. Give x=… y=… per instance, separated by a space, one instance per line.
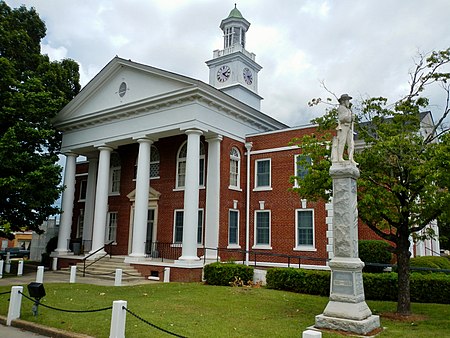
x=141 y=202
x=190 y=219
x=90 y=199
x=212 y=197
x=68 y=197
x=101 y=199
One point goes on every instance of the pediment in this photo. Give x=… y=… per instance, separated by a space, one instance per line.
x=153 y=195
x=119 y=84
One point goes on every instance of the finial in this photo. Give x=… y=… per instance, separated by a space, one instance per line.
x=234 y=5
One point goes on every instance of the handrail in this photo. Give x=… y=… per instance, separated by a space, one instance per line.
x=96 y=260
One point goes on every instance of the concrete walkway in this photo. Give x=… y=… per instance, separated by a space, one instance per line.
x=12 y=332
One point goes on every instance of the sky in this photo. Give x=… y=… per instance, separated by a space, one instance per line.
x=363 y=48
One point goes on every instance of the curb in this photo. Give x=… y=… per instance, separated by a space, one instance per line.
x=43 y=330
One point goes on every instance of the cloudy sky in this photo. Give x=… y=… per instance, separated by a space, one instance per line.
x=364 y=48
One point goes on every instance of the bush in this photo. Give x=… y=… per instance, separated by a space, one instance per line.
x=313 y=282
x=430 y=288
x=434 y=262
x=226 y=273
x=373 y=251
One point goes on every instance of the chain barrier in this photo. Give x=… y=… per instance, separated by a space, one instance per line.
x=152 y=325
x=4 y=293
x=64 y=310
x=100 y=274
x=130 y=274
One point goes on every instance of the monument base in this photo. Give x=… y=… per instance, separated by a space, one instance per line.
x=363 y=327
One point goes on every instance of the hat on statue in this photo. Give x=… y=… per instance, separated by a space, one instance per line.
x=344 y=97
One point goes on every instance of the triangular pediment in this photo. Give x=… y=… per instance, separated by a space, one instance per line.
x=119 y=84
x=153 y=195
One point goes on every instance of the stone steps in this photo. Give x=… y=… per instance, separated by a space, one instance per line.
x=106 y=269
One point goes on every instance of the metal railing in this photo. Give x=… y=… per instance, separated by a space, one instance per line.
x=109 y=245
x=163 y=251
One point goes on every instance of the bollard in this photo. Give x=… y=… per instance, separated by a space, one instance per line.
x=73 y=274
x=118 y=319
x=311 y=334
x=40 y=274
x=20 y=268
x=55 y=264
x=1 y=268
x=8 y=262
x=118 y=278
x=15 y=303
x=166 y=275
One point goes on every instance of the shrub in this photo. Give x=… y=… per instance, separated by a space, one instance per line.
x=373 y=251
x=312 y=282
x=380 y=286
x=226 y=273
x=434 y=262
x=430 y=288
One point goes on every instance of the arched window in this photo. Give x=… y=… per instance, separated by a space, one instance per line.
x=235 y=168
x=181 y=165
x=114 y=174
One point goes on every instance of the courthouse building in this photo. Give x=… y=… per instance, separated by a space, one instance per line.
x=180 y=172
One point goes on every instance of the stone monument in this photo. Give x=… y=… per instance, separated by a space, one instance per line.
x=347 y=309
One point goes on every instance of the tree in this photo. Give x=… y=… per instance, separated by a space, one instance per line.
x=32 y=90
x=405 y=169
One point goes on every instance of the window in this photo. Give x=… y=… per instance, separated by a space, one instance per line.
x=262 y=228
x=154 y=162
x=181 y=165
x=263 y=178
x=233 y=228
x=114 y=176
x=228 y=37
x=83 y=189
x=80 y=223
x=304 y=228
x=111 y=227
x=235 y=168
x=178 y=226
x=302 y=162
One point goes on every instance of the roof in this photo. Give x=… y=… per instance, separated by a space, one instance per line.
x=235 y=13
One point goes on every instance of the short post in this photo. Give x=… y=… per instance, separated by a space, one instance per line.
x=118 y=319
x=166 y=275
x=40 y=274
x=20 y=268
x=15 y=303
x=73 y=274
x=55 y=264
x=1 y=268
x=8 y=262
x=118 y=278
x=311 y=334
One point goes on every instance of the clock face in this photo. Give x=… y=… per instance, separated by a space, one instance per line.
x=248 y=76
x=223 y=73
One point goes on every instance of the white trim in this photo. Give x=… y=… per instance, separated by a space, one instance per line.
x=233 y=245
x=236 y=159
x=273 y=150
x=262 y=246
x=264 y=187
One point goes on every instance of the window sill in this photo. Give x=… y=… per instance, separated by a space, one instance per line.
x=262 y=189
x=305 y=248
x=262 y=247
x=234 y=188
x=114 y=194
x=182 y=188
x=233 y=246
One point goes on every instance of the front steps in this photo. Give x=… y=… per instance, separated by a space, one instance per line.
x=106 y=269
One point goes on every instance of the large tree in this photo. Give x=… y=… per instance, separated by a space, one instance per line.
x=404 y=165
x=32 y=90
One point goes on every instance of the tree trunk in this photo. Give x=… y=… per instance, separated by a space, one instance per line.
x=404 y=297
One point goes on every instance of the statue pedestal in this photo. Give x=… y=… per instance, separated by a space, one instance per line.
x=347 y=309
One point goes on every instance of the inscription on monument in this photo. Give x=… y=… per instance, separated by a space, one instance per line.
x=342 y=283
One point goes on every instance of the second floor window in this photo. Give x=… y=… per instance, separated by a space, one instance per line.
x=114 y=176
x=263 y=179
x=181 y=166
x=235 y=163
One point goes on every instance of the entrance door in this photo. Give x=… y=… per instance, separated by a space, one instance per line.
x=150 y=244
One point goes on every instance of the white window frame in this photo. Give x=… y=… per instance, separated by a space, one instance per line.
x=297 y=168
x=302 y=247
x=236 y=159
x=83 y=190
x=178 y=185
x=263 y=187
x=80 y=223
x=233 y=245
x=111 y=223
x=266 y=246
x=200 y=211
x=154 y=161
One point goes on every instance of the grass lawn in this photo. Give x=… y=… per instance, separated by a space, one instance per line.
x=196 y=310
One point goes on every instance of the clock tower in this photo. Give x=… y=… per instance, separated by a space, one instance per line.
x=233 y=69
